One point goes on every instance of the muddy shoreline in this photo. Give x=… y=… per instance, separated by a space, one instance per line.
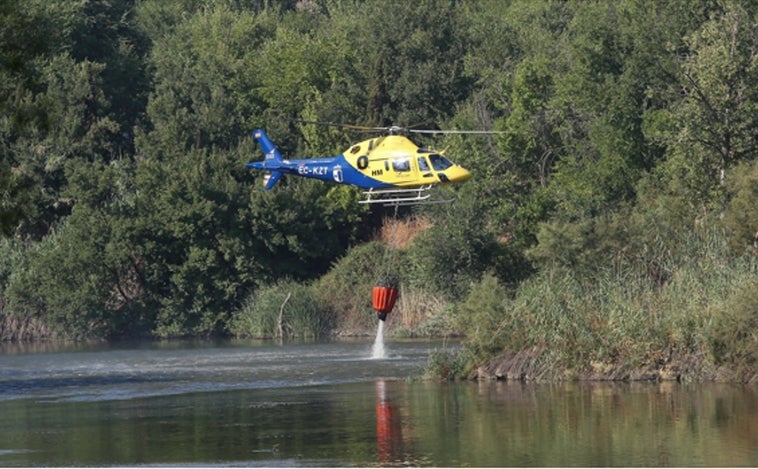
x=535 y=365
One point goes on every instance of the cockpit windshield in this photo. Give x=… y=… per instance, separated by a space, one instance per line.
x=439 y=162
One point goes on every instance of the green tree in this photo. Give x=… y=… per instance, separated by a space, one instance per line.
x=450 y=256
x=191 y=235
x=15 y=197
x=80 y=279
x=65 y=99
x=404 y=56
x=741 y=218
x=205 y=75
x=714 y=126
x=71 y=121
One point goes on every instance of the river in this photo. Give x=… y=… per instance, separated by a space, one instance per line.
x=330 y=404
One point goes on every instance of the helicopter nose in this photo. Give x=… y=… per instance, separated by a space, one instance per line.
x=456 y=174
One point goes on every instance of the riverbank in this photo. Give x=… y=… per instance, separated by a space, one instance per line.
x=24 y=329
x=535 y=365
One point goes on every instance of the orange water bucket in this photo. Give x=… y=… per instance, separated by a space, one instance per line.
x=384 y=300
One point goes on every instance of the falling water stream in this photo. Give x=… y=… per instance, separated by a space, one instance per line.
x=377 y=352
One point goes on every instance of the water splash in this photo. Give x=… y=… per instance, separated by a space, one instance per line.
x=378 y=349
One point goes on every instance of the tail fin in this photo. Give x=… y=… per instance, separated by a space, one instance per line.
x=271 y=161
x=267 y=146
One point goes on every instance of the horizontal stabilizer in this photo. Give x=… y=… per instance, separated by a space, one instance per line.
x=271 y=178
x=273 y=163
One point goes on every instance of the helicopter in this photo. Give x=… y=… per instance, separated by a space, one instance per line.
x=390 y=169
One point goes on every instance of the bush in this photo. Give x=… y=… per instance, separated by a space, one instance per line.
x=286 y=309
x=735 y=337
x=741 y=216
x=346 y=288
x=445 y=364
x=446 y=260
x=482 y=317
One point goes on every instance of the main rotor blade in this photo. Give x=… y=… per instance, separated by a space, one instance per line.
x=396 y=129
x=428 y=131
x=345 y=126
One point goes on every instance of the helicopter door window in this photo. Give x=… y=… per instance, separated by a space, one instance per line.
x=401 y=165
x=422 y=164
x=439 y=162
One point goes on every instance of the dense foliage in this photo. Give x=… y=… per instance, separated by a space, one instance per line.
x=629 y=150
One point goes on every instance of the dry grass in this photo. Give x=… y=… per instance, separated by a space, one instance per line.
x=415 y=307
x=22 y=329
x=399 y=233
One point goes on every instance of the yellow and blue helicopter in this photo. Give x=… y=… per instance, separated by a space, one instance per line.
x=391 y=169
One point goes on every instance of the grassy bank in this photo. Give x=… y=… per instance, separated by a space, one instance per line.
x=699 y=320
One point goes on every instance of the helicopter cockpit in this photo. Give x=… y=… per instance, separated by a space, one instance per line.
x=439 y=162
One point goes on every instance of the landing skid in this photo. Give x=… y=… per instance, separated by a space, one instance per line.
x=397 y=197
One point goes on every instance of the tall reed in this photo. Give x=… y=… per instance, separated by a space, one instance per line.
x=622 y=317
x=284 y=310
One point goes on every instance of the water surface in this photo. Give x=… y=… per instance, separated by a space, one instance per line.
x=330 y=404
